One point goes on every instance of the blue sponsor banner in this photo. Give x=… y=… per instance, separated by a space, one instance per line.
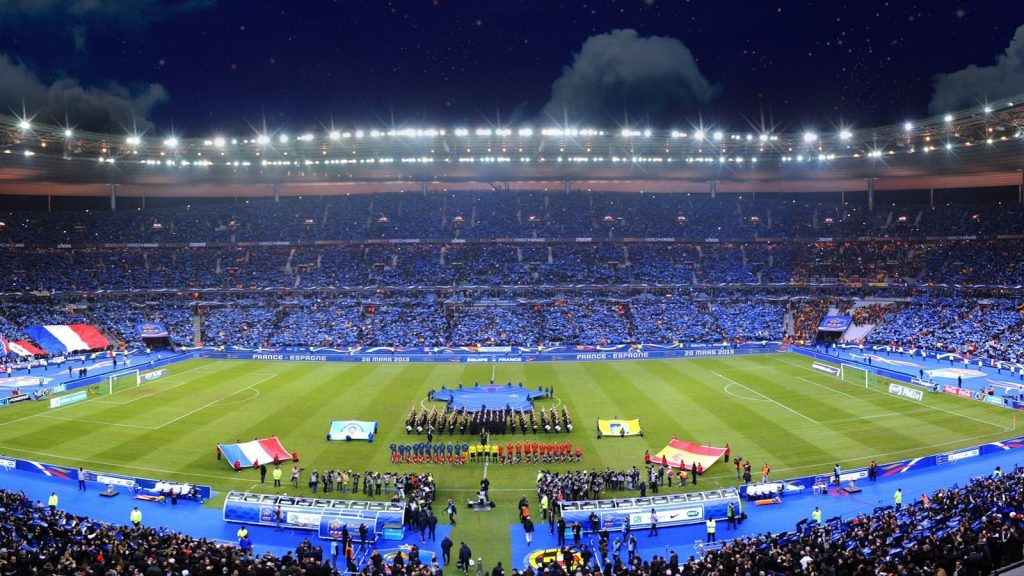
x=152 y=330
x=152 y=375
x=835 y=323
x=997 y=400
x=900 y=467
x=72 y=398
x=70 y=473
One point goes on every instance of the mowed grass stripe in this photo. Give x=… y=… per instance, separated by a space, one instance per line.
x=869 y=436
x=757 y=423
x=170 y=446
x=81 y=437
x=953 y=407
x=631 y=386
x=187 y=393
x=914 y=430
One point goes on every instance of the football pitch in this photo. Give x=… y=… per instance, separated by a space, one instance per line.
x=770 y=408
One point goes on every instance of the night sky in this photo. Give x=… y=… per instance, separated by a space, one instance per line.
x=198 y=66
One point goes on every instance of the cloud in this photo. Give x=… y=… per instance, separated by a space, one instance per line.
x=622 y=72
x=973 y=84
x=111 y=107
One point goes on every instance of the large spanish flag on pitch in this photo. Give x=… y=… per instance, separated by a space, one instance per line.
x=683 y=455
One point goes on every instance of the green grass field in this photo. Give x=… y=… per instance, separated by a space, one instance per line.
x=770 y=408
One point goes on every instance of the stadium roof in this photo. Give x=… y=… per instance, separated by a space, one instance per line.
x=978 y=147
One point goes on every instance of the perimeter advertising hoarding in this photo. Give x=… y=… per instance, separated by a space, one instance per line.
x=479 y=358
x=906 y=392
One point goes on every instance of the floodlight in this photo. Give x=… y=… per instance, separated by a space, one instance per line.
x=763 y=137
x=845 y=135
x=24 y=125
x=948 y=118
x=219 y=142
x=718 y=135
x=67 y=133
x=698 y=135
x=263 y=139
x=283 y=138
x=171 y=142
x=334 y=135
x=810 y=137
x=908 y=126
x=134 y=140
x=988 y=109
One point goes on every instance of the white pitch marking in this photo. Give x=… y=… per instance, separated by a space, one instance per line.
x=776 y=402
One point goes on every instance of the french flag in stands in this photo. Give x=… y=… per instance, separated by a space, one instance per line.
x=24 y=348
x=5 y=347
x=65 y=338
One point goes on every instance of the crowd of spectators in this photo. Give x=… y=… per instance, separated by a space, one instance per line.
x=36 y=540
x=959 y=325
x=950 y=322
x=511 y=263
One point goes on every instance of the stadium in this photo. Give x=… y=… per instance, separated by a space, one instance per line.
x=540 y=348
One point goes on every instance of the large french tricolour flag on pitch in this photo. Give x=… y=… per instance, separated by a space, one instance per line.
x=256 y=452
x=63 y=338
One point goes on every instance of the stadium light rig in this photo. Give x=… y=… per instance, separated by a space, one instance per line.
x=263 y=139
x=133 y=140
x=25 y=125
x=171 y=142
x=810 y=137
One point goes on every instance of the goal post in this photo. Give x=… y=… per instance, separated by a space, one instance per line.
x=857 y=375
x=123 y=379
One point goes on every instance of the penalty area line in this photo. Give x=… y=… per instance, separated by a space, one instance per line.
x=773 y=401
x=823 y=386
x=208 y=404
